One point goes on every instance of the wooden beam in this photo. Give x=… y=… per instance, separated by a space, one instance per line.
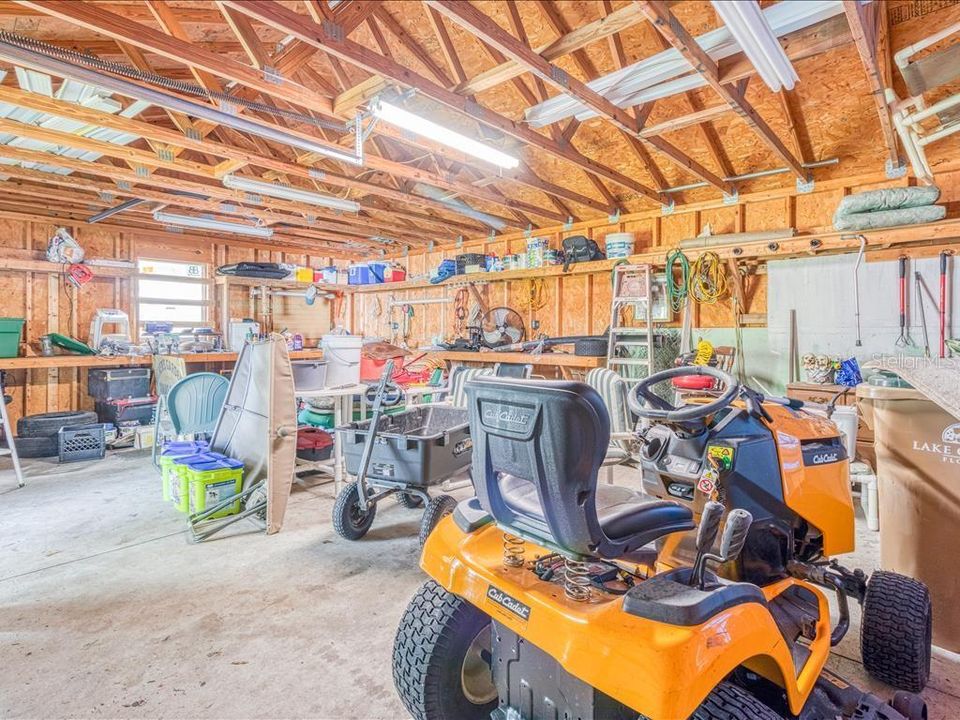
x=412 y=46
x=160 y=134
x=446 y=45
x=667 y=25
x=352 y=14
x=467 y=15
x=613 y=23
x=245 y=33
x=288 y=21
x=865 y=29
x=95 y=18
x=793 y=121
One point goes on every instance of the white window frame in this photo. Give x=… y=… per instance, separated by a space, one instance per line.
x=207 y=303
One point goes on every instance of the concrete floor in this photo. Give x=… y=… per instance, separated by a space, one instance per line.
x=106 y=610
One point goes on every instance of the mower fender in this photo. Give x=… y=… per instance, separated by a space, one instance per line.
x=659 y=670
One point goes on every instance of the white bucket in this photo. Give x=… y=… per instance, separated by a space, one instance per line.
x=619 y=245
x=342 y=355
x=845 y=418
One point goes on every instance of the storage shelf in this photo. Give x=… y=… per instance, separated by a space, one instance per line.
x=276 y=284
x=55 y=362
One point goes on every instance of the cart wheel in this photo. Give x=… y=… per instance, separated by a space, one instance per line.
x=409 y=500
x=349 y=520
x=441 y=658
x=437 y=509
x=896 y=630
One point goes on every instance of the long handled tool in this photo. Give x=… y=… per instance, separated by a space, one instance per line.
x=904 y=339
x=943 y=303
x=923 y=315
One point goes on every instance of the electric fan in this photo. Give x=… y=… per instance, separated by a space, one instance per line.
x=501 y=326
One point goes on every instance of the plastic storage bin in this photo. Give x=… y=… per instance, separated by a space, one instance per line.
x=421 y=446
x=172 y=451
x=213 y=482
x=139 y=409
x=82 y=442
x=365 y=274
x=309 y=374
x=314 y=444
x=180 y=478
x=10 y=329
x=118 y=383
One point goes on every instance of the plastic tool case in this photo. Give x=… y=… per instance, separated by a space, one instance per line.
x=421 y=446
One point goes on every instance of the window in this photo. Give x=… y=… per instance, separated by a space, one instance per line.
x=173 y=292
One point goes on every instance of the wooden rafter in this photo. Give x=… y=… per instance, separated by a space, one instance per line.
x=468 y=16
x=615 y=22
x=793 y=118
x=288 y=21
x=667 y=25
x=119 y=27
x=866 y=29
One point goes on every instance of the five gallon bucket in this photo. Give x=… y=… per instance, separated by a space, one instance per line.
x=342 y=355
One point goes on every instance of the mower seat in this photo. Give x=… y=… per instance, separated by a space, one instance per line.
x=538 y=446
x=622 y=512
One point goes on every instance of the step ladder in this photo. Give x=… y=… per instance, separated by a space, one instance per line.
x=11 y=448
x=630 y=347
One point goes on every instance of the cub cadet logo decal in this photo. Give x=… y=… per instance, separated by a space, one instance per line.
x=506 y=415
x=827 y=457
x=509 y=603
x=948 y=449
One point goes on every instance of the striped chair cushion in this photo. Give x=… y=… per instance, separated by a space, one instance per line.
x=458 y=383
x=613 y=389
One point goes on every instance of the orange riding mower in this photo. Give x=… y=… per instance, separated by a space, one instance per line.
x=553 y=596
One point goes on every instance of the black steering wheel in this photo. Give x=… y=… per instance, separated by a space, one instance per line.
x=645 y=404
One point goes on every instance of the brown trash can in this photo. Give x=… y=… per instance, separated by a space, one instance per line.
x=918 y=479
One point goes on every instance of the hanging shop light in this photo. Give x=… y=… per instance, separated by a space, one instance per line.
x=286 y=192
x=746 y=22
x=396 y=115
x=202 y=223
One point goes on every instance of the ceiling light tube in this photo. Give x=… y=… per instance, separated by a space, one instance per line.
x=395 y=115
x=286 y=192
x=749 y=27
x=202 y=223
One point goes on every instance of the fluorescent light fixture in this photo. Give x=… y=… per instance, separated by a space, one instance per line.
x=745 y=21
x=202 y=223
x=407 y=120
x=285 y=192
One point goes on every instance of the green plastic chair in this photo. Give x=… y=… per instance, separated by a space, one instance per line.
x=195 y=402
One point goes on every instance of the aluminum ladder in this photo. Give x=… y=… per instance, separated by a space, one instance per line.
x=11 y=448
x=632 y=285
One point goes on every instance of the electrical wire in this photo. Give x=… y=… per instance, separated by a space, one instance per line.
x=677 y=291
x=708 y=279
x=534 y=298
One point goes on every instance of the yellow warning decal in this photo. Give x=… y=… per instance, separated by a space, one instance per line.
x=723 y=456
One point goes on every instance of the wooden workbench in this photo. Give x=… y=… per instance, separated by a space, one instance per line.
x=41 y=362
x=564 y=363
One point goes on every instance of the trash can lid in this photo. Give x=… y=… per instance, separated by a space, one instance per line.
x=883 y=392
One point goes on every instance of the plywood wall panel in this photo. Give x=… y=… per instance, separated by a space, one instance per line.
x=767 y=215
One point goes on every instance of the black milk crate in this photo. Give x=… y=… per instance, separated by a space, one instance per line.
x=82 y=442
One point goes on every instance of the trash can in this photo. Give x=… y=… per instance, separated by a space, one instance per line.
x=918 y=477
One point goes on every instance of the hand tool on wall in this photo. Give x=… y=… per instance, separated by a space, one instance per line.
x=923 y=316
x=904 y=339
x=943 y=303
x=856 y=286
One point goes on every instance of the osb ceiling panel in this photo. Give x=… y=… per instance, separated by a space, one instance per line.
x=836 y=117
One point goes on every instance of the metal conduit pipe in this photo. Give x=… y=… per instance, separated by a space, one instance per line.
x=751 y=176
x=44 y=63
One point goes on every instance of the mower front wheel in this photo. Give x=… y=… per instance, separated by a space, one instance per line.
x=409 y=500
x=441 y=658
x=349 y=519
x=731 y=702
x=437 y=509
x=896 y=630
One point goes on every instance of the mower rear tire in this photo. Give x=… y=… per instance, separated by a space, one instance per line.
x=896 y=630
x=731 y=702
x=409 y=500
x=349 y=520
x=437 y=509
x=439 y=658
